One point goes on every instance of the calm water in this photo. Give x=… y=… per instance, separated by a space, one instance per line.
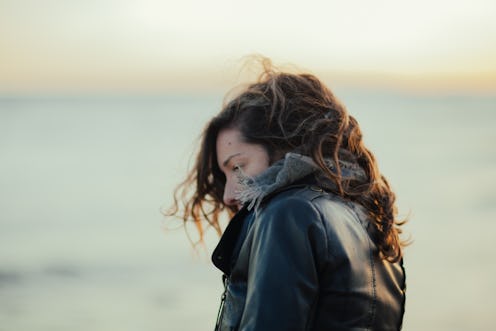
x=82 y=182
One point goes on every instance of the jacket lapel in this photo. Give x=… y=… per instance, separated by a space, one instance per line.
x=221 y=257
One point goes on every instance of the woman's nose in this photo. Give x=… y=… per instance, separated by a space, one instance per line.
x=230 y=194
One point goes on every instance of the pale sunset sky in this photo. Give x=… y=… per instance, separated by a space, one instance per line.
x=154 y=46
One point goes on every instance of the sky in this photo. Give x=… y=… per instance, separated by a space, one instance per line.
x=151 y=45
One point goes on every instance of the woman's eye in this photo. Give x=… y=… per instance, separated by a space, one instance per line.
x=236 y=167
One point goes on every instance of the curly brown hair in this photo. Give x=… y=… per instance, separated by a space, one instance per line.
x=285 y=112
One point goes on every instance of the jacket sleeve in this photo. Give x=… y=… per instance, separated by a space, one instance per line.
x=288 y=246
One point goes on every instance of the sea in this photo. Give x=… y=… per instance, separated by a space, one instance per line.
x=85 y=181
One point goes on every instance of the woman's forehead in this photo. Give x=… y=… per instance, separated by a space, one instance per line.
x=230 y=145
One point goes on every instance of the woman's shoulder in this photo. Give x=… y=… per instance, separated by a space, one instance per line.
x=323 y=206
x=312 y=195
x=292 y=203
x=293 y=197
x=306 y=203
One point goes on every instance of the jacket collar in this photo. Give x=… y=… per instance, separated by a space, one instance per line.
x=223 y=253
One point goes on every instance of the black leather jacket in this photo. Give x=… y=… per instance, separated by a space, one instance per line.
x=305 y=261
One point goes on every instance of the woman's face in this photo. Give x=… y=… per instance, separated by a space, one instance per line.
x=234 y=155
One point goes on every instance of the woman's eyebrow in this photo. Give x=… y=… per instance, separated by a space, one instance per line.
x=229 y=159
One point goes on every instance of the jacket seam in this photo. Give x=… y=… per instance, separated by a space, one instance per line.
x=373 y=305
x=373 y=280
x=312 y=199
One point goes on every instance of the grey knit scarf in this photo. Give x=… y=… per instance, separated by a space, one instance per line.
x=284 y=172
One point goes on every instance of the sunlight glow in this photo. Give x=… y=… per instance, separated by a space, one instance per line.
x=55 y=44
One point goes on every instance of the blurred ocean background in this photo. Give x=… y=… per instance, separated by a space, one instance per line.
x=84 y=246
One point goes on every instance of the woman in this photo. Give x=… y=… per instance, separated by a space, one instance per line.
x=314 y=240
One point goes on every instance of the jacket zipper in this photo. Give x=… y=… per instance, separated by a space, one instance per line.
x=222 y=302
